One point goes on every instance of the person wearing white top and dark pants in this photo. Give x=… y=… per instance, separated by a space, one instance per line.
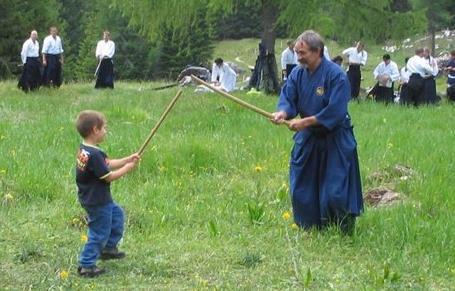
x=418 y=68
x=386 y=73
x=52 y=58
x=430 y=83
x=223 y=76
x=288 y=60
x=31 y=76
x=357 y=57
x=105 y=51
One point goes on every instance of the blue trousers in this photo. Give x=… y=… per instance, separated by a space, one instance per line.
x=105 y=229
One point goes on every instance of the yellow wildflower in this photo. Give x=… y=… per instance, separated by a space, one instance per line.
x=294 y=226
x=84 y=238
x=64 y=275
x=286 y=215
x=389 y=145
x=2 y=171
x=9 y=197
x=258 y=169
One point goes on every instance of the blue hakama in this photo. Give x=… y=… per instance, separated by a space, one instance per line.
x=324 y=170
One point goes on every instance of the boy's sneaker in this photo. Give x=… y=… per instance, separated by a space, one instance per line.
x=112 y=254
x=90 y=272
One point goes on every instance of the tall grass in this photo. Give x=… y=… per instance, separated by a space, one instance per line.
x=204 y=207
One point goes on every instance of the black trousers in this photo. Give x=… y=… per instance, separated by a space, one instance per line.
x=430 y=90
x=105 y=78
x=354 y=77
x=31 y=75
x=289 y=68
x=416 y=92
x=404 y=95
x=52 y=74
x=384 y=94
x=451 y=93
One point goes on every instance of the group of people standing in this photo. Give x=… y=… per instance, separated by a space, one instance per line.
x=416 y=79
x=416 y=90
x=52 y=60
x=47 y=71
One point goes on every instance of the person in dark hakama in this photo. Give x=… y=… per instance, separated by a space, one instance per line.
x=429 y=80
x=357 y=56
x=386 y=73
x=417 y=68
x=52 y=58
x=450 y=68
x=325 y=180
x=404 y=79
x=288 y=60
x=31 y=75
x=105 y=51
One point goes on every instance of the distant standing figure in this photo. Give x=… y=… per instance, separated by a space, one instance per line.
x=288 y=60
x=430 y=82
x=386 y=73
x=31 y=75
x=404 y=79
x=52 y=58
x=105 y=50
x=223 y=76
x=357 y=56
x=451 y=77
x=418 y=68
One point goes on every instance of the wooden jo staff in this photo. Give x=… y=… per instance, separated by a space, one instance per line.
x=237 y=100
x=97 y=68
x=158 y=124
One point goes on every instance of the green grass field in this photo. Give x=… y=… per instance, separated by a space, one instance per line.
x=205 y=206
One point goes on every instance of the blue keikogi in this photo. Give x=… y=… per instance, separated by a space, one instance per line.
x=324 y=171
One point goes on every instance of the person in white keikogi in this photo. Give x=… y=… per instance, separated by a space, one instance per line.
x=386 y=73
x=31 y=76
x=357 y=56
x=52 y=58
x=223 y=76
x=105 y=50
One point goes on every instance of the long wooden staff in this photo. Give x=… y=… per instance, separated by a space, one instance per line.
x=158 y=124
x=237 y=100
x=97 y=68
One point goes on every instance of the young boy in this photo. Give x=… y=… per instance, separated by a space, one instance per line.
x=94 y=173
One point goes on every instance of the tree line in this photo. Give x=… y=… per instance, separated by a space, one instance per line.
x=157 y=39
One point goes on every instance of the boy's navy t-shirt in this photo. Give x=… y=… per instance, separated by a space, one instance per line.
x=91 y=169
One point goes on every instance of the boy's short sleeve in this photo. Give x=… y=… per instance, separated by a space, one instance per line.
x=99 y=166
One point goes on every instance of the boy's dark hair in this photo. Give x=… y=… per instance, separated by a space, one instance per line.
x=386 y=57
x=88 y=119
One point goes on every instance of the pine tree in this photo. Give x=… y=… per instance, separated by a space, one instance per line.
x=183 y=45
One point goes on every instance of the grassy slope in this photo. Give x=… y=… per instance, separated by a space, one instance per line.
x=188 y=223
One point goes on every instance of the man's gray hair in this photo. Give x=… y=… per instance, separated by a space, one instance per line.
x=313 y=40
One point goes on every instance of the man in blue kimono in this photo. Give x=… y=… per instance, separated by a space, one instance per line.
x=324 y=170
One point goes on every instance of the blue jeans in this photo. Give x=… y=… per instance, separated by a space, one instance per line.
x=105 y=229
